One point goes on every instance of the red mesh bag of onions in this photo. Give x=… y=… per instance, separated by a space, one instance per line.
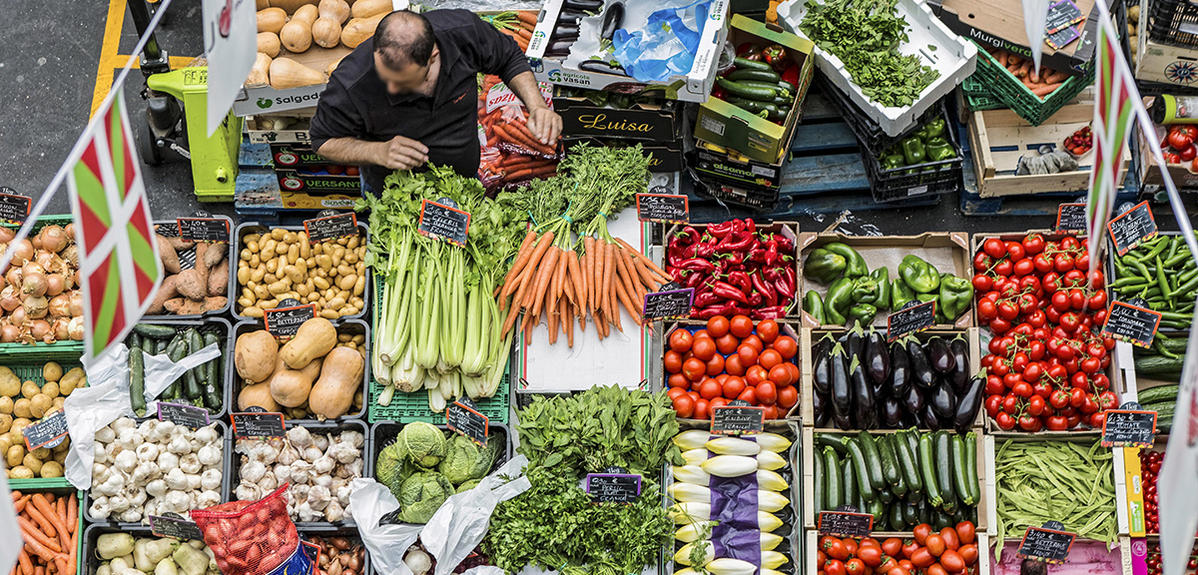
x=249 y=537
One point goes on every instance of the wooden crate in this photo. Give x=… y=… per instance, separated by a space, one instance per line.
x=811 y=548
x=998 y=138
x=807 y=368
x=948 y=251
x=808 y=467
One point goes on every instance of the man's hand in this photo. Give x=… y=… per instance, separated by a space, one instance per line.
x=545 y=125
x=401 y=153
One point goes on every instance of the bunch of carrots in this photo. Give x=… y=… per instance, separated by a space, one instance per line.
x=517 y=24
x=1042 y=84
x=49 y=529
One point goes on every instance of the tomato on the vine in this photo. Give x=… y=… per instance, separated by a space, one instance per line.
x=994 y=248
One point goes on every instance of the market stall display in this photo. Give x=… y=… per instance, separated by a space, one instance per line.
x=952 y=549
x=318 y=461
x=28 y=393
x=281 y=263
x=202 y=385
x=285 y=35
x=198 y=281
x=39 y=302
x=1163 y=275
x=138 y=550
x=51 y=528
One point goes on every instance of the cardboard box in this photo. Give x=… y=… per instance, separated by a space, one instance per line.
x=1150 y=174
x=726 y=124
x=739 y=171
x=999 y=23
x=319 y=182
x=302 y=157
x=1166 y=64
x=289 y=129
x=694 y=86
x=580 y=118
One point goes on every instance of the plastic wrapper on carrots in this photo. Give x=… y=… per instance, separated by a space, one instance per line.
x=509 y=151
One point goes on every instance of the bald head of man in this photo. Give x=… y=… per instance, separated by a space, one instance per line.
x=405 y=53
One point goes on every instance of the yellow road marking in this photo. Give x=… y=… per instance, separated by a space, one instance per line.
x=119 y=60
x=108 y=49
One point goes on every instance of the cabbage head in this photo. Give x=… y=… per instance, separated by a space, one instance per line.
x=465 y=460
x=420 y=495
x=422 y=443
x=467 y=486
x=389 y=463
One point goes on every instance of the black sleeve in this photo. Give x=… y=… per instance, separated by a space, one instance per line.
x=336 y=116
x=497 y=53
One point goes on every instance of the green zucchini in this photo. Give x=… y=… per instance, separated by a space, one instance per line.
x=834 y=441
x=890 y=468
x=818 y=486
x=848 y=483
x=746 y=64
x=213 y=382
x=781 y=89
x=754 y=105
x=873 y=461
x=944 y=471
x=754 y=75
x=137 y=380
x=761 y=92
x=134 y=340
x=895 y=516
x=927 y=470
x=907 y=465
x=833 y=491
x=1158 y=394
x=858 y=459
x=878 y=510
x=154 y=331
x=960 y=470
x=910 y=514
x=940 y=519
x=971 y=467
x=191 y=379
x=925 y=511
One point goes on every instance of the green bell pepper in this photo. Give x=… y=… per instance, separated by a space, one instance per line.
x=838 y=300
x=823 y=265
x=893 y=161
x=865 y=290
x=900 y=294
x=814 y=305
x=927 y=297
x=863 y=313
x=939 y=149
x=921 y=276
x=956 y=295
x=881 y=276
x=913 y=150
x=854 y=264
x=934 y=128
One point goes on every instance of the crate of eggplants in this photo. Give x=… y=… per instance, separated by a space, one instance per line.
x=859 y=381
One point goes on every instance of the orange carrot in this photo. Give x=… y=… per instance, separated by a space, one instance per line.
x=625 y=274
x=40 y=569
x=548 y=267
x=40 y=519
x=578 y=288
x=588 y=274
x=72 y=514
x=555 y=282
x=568 y=323
x=554 y=316
x=47 y=509
x=21 y=503
x=524 y=33
x=567 y=280
x=609 y=269
x=42 y=546
x=582 y=320
x=1046 y=89
x=1001 y=56
x=622 y=295
x=60 y=563
x=528 y=17
x=522 y=255
x=599 y=247
x=665 y=277
x=614 y=301
x=531 y=264
x=24 y=564
x=16 y=495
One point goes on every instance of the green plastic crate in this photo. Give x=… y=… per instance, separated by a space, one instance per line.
x=409 y=407
x=1009 y=90
x=32 y=351
x=32 y=371
x=80 y=558
x=977 y=97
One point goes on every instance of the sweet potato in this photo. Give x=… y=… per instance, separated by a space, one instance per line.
x=167 y=291
x=202 y=263
x=179 y=243
x=215 y=254
x=215 y=303
x=184 y=306
x=170 y=259
x=192 y=284
x=218 y=279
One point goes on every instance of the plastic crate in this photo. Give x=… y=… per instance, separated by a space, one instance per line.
x=383 y=434
x=867 y=131
x=1172 y=22
x=929 y=179
x=35 y=351
x=224 y=333
x=32 y=371
x=80 y=531
x=168 y=228
x=409 y=407
x=978 y=97
x=1009 y=90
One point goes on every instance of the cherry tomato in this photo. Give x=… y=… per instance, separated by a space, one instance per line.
x=769 y=359
x=694 y=369
x=704 y=348
x=767 y=393
x=1005 y=421
x=684 y=406
x=767 y=330
x=681 y=340
x=994 y=248
x=747 y=354
x=982 y=282
x=786 y=346
x=718 y=326
x=934 y=544
x=741 y=326
x=1033 y=243
x=1015 y=251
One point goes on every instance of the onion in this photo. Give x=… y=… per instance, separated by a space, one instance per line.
x=75 y=328
x=60 y=306
x=7 y=234
x=22 y=252
x=59 y=329
x=55 y=284
x=17 y=316
x=9 y=333
x=10 y=298
x=13 y=277
x=53 y=238
x=69 y=230
x=40 y=329
x=36 y=306
x=34 y=285
x=71 y=255
x=76 y=306
x=32 y=267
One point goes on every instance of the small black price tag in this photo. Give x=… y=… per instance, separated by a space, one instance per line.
x=331 y=227
x=463 y=417
x=1132 y=227
x=174 y=525
x=285 y=320
x=203 y=229
x=613 y=487
x=1044 y=544
x=1133 y=324
x=911 y=319
x=50 y=431
x=668 y=304
x=1128 y=428
x=845 y=523
x=14 y=208
x=182 y=414
x=1062 y=14
x=312 y=550
x=253 y=424
x=443 y=222
x=737 y=418
x=664 y=208
x=1071 y=218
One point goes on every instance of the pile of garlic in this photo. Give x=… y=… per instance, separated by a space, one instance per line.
x=318 y=467
x=154 y=468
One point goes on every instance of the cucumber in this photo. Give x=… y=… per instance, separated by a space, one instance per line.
x=944 y=471
x=862 y=503
x=175 y=351
x=755 y=75
x=971 y=467
x=154 y=331
x=781 y=89
x=959 y=470
x=147 y=345
x=760 y=92
x=890 y=468
x=927 y=471
x=160 y=346
x=137 y=380
x=848 y=483
x=834 y=441
x=213 y=382
x=755 y=106
x=1156 y=365
x=1159 y=394
x=907 y=466
x=873 y=460
x=746 y=64
x=191 y=379
x=858 y=459
x=833 y=490
x=134 y=340
x=818 y=487
x=1161 y=409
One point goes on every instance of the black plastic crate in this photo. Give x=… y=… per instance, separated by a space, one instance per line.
x=383 y=434
x=867 y=131
x=1172 y=22
x=926 y=179
x=753 y=198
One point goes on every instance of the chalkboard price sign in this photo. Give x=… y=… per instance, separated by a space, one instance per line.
x=462 y=416
x=182 y=414
x=613 y=487
x=911 y=319
x=1132 y=227
x=664 y=208
x=14 y=208
x=845 y=523
x=737 y=418
x=203 y=229
x=1128 y=428
x=331 y=227
x=265 y=424
x=1048 y=545
x=176 y=526
x=50 y=431
x=669 y=304
x=1131 y=323
x=1071 y=218
x=444 y=222
x=283 y=322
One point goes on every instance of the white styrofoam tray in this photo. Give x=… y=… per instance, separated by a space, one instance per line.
x=928 y=38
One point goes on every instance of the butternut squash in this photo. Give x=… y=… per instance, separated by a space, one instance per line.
x=261 y=4
x=271 y=20
x=359 y=30
x=286 y=73
x=368 y=8
x=314 y=339
x=336 y=10
x=326 y=32
x=255 y=355
x=290 y=387
x=333 y=66
x=260 y=73
x=268 y=43
x=292 y=5
x=297 y=32
x=340 y=378
x=259 y=395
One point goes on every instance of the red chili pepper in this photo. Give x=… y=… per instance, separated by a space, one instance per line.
x=720 y=230
x=741 y=280
x=772 y=312
x=687 y=236
x=699 y=250
x=756 y=299
x=739 y=242
x=762 y=287
x=786 y=291
x=785 y=244
x=728 y=291
x=726 y=309
x=696 y=264
x=730 y=261
x=704 y=298
x=695 y=279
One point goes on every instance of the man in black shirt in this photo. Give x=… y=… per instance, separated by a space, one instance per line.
x=409 y=95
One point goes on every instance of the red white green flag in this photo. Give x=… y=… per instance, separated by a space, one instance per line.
x=118 y=257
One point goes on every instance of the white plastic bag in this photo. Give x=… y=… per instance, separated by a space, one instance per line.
x=460 y=524
x=369 y=501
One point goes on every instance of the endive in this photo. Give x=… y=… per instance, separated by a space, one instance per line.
x=733 y=446
x=695 y=554
x=689 y=533
x=696 y=456
x=730 y=465
x=766 y=479
x=692 y=512
x=727 y=566
x=689 y=492
x=772 y=559
x=691 y=439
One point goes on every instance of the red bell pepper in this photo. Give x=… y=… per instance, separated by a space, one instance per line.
x=791 y=75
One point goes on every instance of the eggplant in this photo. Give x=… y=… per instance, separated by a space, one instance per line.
x=891 y=411
x=821 y=374
x=612 y=21
x=940 y=357
x=944 y=402
x=913 y=401
x=601 y=67
x=921 y=369
x=877 y=360
x=584 y=5
x=822 y=419
x=968 y=404
x=842 y=394
x=863 y=396
x=570 y=16
x=817 y=403
x=856 y=343
x=842 y=421
x=565 y=30
x=900 y=371
x=561 y=48
x=959 y=376
x=928 y=419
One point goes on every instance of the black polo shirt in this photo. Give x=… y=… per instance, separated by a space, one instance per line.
x=356 y=103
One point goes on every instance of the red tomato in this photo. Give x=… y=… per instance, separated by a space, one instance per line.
x=694 y=369
x=854 y=566
x=678 y=380
x=715 y=365
x=704 y=348
x=769 y=412
x=850 y=544
x=681 y=340
x=717 y=326
x=748 y=395
x=952 y=561
x=675 y=392
x=936 y=569
x=892 y=546
x=1181 y=137
x=900 y=570
x=684 y=405
x=934 y=544
x=733 y=386
x=786 y=346
x=767 y=330
x=994 y=248
x=717 y=402
x=922 y=558
x=727 y=343
x=754 y=341
x=741 y=326
x=871 y=556
x=702 y=409
x=710 y=389
x=747 y=353
x=834 y=567
x=767 y=393
x=793 y=370
x=787 y=396
x=951 y=540
x=910 y=548
x=755 y=375
x=733 y=366
x=672 y=361
x=769 y=358
x=969 y=553
x=921 y=533
x=702 y=333
x=780 y=375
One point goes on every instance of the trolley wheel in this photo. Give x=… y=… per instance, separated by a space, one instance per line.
x=151 y=154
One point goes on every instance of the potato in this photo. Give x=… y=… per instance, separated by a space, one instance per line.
x=57 y=403
x=6 y=405
x=51 y=371
x=50 y=389
x=42 y=453
x=40 y=404
x=22 y=472
x=278 y=233
x=18 y=425
x=5 y=422
x=6 y=442
x=10 y=385
x=52 y=468
x=15 y=455
x=32 y=462
x=21 y=408
x=30 y=389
